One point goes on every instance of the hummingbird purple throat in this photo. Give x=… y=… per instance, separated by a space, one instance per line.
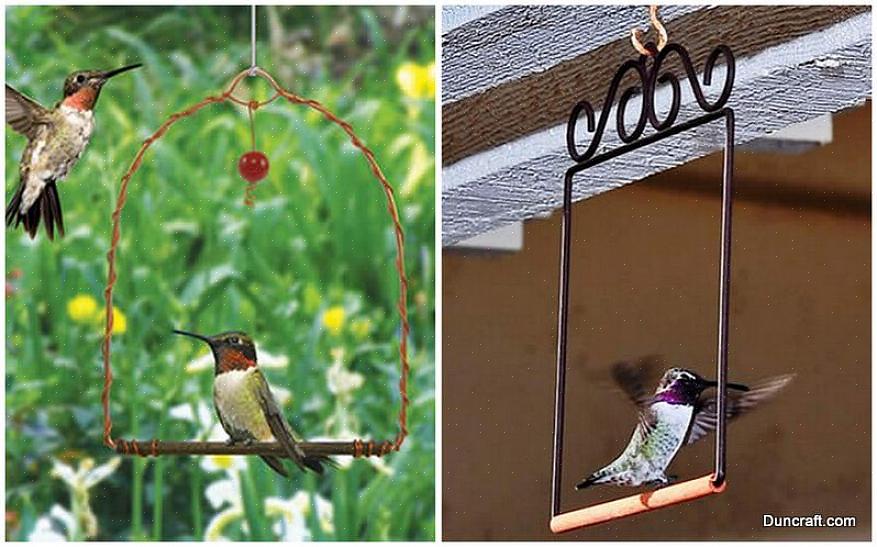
x=246 y=408
x=56 y=138
x=678 y=413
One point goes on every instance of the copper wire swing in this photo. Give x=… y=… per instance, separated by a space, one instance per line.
x=649 y=77
x=357 y=447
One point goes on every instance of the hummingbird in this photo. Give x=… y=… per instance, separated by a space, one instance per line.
x=246 y=408
x=678 y=413
x=56 y=138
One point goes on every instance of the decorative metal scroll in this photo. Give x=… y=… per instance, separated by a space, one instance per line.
x=650 y=76
x=649 y=82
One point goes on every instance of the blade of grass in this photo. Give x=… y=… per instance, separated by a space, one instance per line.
x=158 y=483
x=254 y=509
x=341 y=506
x=195 y=494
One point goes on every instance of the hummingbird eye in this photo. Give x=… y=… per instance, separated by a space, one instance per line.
x=234 y=340
x=80 y=78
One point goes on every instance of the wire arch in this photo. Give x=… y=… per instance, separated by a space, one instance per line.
x=356 y=447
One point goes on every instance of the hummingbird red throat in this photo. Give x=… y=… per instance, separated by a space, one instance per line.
x=244 y=402
x=56 y=138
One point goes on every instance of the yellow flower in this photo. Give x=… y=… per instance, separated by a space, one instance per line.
x=120 y=322
x=361 y=328
x=222 y=461
x=82 y=308
x=333 y=320
x=416 y=81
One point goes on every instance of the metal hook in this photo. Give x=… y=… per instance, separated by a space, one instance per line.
x=636 y=34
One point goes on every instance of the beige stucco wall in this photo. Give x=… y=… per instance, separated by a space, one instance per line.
x=644 y=281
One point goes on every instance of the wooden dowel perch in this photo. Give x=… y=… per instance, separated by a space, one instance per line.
x=356 y=448
x=158 y=448
x=639 y=503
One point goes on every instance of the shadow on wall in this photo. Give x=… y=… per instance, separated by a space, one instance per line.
x=644 y=281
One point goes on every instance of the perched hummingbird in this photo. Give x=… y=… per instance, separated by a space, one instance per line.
x=56 y=138
x=244 y=403
x=677 y=413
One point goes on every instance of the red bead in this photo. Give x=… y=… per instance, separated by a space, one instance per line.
x=253 y=166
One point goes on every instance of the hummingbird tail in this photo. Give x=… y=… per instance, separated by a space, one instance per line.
x=317 y=463
x=275 y=464
x=47 y=207
x=12 y=214
x=586 y=483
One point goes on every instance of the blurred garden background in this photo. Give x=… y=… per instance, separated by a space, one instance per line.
x=307 y=272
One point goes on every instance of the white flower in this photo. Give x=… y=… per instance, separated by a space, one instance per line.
x=292 y=526
x=341 y=381
x=379 y=464
x=198 y=364
x=81 y=523
x=223 y=462
x=325 y=510
x=291 y=514
x=87 y=476
x=294 y=512
x=224 y=491
x=203 y=414
x=45 y=529
x=220 y=520
x=44 y=532
x=282 y=395
x=63 y=515
x=269 y=360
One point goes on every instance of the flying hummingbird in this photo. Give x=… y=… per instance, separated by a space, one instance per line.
x=678 y=413
x=56 y=138
x=246 y=408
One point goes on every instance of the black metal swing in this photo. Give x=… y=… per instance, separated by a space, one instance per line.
x=649 y=80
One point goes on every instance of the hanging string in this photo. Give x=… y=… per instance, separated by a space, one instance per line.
x=249 y=197
x=253 y=66
x=249 y=193
x=636 y=35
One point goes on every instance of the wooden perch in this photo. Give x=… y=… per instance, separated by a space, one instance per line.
x=638 y=503
x=159 y=448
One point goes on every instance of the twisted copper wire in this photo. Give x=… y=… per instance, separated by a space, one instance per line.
x=249 y=193
x=358 y=447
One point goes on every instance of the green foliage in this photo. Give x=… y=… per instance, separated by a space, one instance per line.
x=193 y=256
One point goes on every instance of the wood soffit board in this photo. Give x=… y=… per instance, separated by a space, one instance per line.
x=542 y=100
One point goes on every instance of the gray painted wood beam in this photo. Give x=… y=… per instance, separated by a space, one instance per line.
x=457 y=16
x=484 y=47
x=801 y=78
x=506 y=82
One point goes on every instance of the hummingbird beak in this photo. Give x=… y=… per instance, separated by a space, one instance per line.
x=192 y=335
x=110 y=73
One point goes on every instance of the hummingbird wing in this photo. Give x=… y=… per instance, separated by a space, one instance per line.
x=23 y=113
x=706 y=414
x=632 y=378
x=280 y=428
